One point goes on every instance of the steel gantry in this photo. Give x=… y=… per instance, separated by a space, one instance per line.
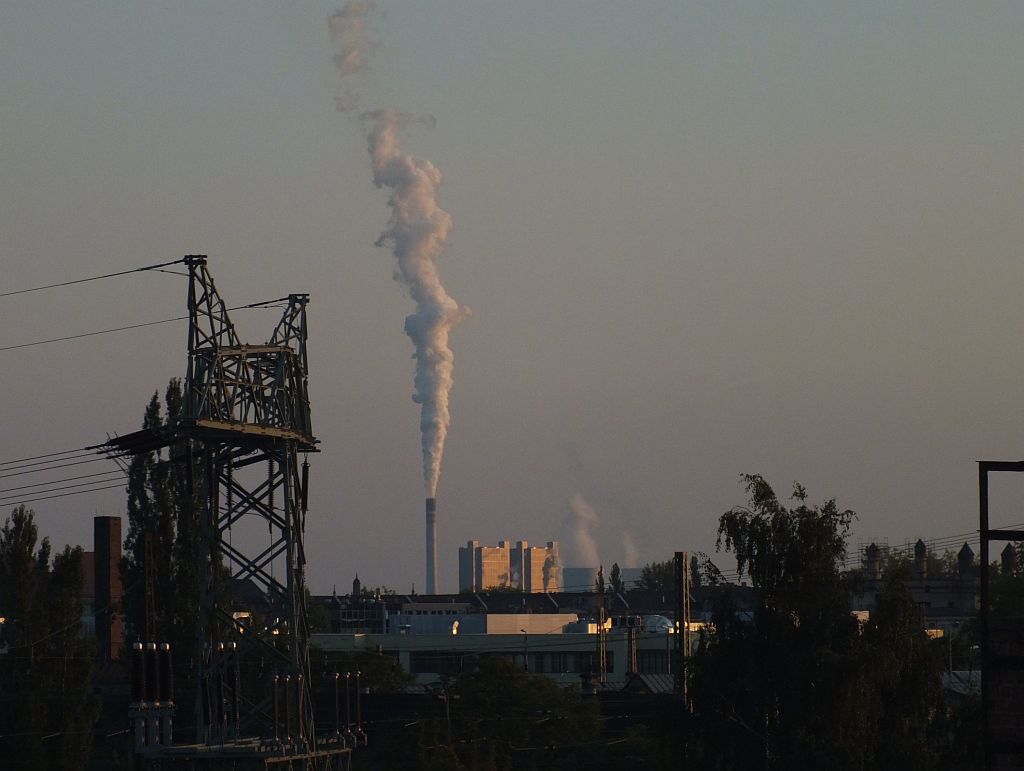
x=245 y=420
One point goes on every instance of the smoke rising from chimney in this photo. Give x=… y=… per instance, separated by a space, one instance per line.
x=577 y=526
x=350 y=32
x=417 y=233
x=630 y=554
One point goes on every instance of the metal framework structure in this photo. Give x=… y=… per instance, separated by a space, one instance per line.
x=1002 y=642
x=246 y=407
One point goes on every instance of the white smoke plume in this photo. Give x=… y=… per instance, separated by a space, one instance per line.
x=353 y=43
x=578 y=526
x=630 y=554
x=417 y=233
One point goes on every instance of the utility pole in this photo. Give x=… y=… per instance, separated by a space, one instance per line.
x=682 y=631
x=602 y=641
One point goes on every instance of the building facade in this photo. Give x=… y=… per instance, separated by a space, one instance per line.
x=516 y=566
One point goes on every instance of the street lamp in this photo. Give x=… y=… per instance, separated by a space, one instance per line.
x=526 y=656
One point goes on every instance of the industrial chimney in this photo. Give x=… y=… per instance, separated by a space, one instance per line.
x=431 y=546
x=873 y=562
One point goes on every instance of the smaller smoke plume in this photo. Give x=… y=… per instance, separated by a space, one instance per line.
x=629 y=551
x=353 y=43
x=578 y=526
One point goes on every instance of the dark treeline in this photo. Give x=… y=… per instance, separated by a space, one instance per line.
x=803 y=684
x=47 y=710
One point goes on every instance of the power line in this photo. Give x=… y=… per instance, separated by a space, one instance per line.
x=53 y=463
x=265 y=304
x=48 y=455
x=65 y=495
x=66 y=479
x=92 y=278
x=91 y=334
x=53 y=468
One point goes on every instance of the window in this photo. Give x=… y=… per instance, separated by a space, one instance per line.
x=652 y=662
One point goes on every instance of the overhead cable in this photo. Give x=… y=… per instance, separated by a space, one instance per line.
x=47 y=455
x=65 y=495
x=53 y=462
x=92 y=278
x=17 y=498
x=65 y=479
x=264 y=304
x=53 y=468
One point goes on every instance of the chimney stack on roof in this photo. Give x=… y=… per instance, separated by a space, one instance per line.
x=965 y=562
x=920 y=559
x=873 y=562
x=1008 y=559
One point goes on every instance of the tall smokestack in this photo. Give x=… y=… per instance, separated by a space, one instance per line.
x=431 y=546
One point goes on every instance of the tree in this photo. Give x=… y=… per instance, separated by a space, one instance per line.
x=150 y=540
x=904 y=668
x=45 y=674
x=376 y=592
x=1007 y=583
x=615 y=580
x=800 y=685
x=499 y=712
x=695 y=575
x=599 y=585
x=659 y=577
x=163 y=512
x=378 y=673
x=902 y=561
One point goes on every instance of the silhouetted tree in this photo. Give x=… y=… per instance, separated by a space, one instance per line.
x=658 y=577
x=1007 y=577
x=502 y=717
x=800 y=684
x=46 y=707
x=163 y=504
x=902 y=561
x=615 y=580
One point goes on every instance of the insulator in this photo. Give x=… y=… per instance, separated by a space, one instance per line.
x=166 y=691
x=138 y=673
x=152 y=673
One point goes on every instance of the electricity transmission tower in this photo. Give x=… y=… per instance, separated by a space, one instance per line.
x=245 y=420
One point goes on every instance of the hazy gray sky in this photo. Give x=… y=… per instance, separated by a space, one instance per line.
x=698 y=239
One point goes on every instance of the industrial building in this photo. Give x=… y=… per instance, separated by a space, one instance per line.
x=444 y=642
x=520 y=566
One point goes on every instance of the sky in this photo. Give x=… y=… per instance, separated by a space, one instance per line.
x=698 y=239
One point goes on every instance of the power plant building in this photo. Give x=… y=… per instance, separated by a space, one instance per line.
x=520 y=566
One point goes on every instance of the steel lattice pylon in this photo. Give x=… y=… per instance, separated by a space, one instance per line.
x=246 y=408
x=248 y=405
